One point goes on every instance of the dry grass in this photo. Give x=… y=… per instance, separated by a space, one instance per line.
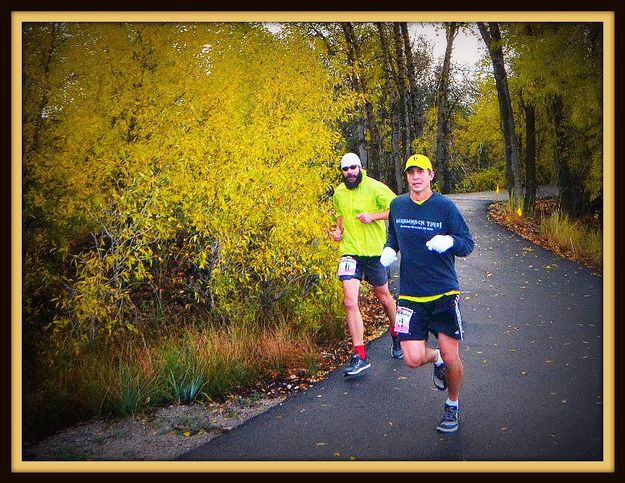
x=580 y=240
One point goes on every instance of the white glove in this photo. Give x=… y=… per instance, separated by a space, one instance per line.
x=440 y=243
x=388 y=256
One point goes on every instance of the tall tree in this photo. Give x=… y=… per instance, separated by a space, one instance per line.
x=416 y=106
x=492 y=38
x=360 y=85
x=558 y=68
x=529 y=110
x=389 y=103
x=401 y=79
x=159 y=130
x=443 y=112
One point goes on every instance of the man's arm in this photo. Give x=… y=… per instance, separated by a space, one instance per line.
x=391 y=236
x=370 y=217
x=391 y=247
x=337 y=233
x=463 y=240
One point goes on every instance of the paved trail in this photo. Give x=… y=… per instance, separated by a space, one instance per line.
x=533 y=384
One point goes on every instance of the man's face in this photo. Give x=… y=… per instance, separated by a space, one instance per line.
x=419 y=179
x=351 y=175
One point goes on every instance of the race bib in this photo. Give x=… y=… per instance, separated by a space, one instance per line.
x=402 y=320
x=347 y=266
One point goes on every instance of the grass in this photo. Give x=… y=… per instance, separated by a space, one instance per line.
x=580 y=240
x=197 y=364
x=583 y=240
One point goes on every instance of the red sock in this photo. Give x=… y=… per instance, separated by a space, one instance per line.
x=393 y=332
x=360 y=350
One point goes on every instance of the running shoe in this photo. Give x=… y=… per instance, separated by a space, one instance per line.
x=438 y=377
x=396 y=351
x=356 y=366
x=450 y=420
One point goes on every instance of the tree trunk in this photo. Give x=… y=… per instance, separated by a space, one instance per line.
x=415 y=109
x=530 y=157
x=442 y=108
x=492 y=37
x=388 y=99
x=360 y=86
x=570 y=192
x=402 y=91
x=396 y=147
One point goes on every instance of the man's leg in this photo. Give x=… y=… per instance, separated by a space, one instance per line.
x=390 y=308
x=388 y=302
x=453 y=372
x=359 y=361
x=454 y=369
x=417 y=354
x=351 y=289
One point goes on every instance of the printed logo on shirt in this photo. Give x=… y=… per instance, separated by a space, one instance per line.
x=422 y=225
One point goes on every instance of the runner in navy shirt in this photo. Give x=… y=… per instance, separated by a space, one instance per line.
x=429 y=231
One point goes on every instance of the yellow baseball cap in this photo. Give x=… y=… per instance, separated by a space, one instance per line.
x=420 y=161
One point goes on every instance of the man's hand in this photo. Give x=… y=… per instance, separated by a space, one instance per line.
x=366 y=217
x=388 y=256
x=440 y=243
x=337 y=234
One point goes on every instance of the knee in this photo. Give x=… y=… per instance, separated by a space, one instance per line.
x=450 y=357
x=413 y=361
x=350 y=303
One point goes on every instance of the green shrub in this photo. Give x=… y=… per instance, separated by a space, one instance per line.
x=483 y=180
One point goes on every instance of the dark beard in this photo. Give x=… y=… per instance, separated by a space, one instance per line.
x=354 y=184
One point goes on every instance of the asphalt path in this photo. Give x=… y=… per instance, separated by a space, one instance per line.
x=533 y=381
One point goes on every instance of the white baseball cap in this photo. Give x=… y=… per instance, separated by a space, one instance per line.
x=350 y=159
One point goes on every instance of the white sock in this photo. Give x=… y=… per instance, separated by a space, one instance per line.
x=438 y=361
x=449 y=402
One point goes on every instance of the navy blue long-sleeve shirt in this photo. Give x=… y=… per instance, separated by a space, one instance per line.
x=425 y=273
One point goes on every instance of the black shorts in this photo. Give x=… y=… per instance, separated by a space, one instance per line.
x=440 y=315
x=352 y=266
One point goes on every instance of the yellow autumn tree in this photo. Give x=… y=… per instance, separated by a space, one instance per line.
x=194 y=162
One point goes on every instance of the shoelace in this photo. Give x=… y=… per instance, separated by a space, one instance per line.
x=450 y=413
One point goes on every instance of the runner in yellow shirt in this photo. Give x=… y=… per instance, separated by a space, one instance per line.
x=362 y=204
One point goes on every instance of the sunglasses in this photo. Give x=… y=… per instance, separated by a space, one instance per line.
x=346 y=168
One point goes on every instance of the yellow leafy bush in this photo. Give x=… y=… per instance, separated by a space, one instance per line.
x=196 y=160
